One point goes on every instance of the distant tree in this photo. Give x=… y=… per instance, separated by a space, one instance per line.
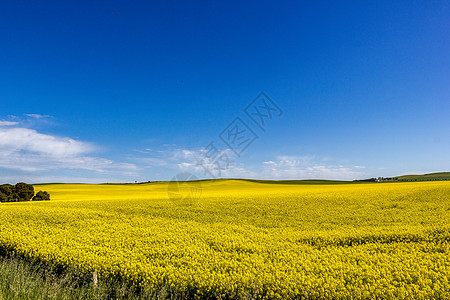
x=24 y=191
x=6 y=189
x=3 y=197
x=21 y=192
x=7 y=193
x=40 y=196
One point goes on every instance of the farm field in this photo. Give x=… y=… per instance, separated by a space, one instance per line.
x=246 y=240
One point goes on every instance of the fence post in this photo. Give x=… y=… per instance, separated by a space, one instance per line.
x=95 y=277
x=45 y=270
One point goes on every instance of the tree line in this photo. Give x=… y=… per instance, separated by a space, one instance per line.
x=21 y=192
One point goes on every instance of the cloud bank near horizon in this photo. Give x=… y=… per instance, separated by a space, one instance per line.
x=27 y=154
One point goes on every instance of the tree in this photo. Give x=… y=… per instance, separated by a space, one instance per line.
x=7 y=192
x=3 y=197
x=21 y=192
x=24 y=191
x=40 y=196
x=6 y=189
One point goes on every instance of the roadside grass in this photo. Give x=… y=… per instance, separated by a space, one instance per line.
x=26 y=279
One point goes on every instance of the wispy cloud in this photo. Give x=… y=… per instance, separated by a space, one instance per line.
x=38 y=116
x=8 y=123
x=29 y=121
x=280 y=167
x=308 y=167
x=143 y=151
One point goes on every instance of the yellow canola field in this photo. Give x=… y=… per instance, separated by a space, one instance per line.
x=248 y=240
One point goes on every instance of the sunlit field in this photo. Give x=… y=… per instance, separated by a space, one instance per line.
x=247 y=240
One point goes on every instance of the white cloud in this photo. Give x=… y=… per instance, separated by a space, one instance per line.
x=144 y=151
x=307 y=167
x=28 y=150
x=8 y=123
x=282 y=167
x=24 y=139
x=37 y=116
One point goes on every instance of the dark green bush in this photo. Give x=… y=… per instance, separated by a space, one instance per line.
x=24 y=191
x=3 y=197
x=7 y=189
x=40 y=196
x=7 y=193
x=21 y=192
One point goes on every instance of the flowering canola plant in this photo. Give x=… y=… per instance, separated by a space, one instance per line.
x=245 y=240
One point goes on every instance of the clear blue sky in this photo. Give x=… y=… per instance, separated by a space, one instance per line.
x=94 y=91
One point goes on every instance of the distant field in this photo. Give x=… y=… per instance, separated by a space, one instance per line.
x=426 y=177
x=245 y=239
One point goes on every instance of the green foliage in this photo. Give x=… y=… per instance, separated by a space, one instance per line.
x=6 y=189
x=3 y=197
x=7 y=192
x=21 y=192
x=24 y=191
x=40 y=196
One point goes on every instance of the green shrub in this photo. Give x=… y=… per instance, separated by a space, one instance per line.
x=21 y=192
x=40 y=196
x=7 y=189
x=24 y=191
x=3 y=197
x=7 y=193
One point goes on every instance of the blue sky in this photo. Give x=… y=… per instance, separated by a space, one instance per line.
x=112 y=91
